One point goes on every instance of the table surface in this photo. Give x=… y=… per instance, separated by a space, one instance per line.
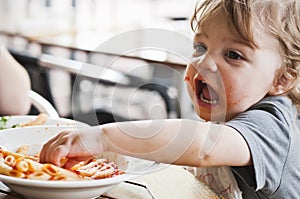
x=170 y=182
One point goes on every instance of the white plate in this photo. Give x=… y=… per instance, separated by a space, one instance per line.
x=13 y=120
x=13 y=138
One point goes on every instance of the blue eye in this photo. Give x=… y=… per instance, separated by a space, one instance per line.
x=199 y=49
x=233 y=55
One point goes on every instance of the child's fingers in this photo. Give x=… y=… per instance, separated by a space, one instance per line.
x=55 y=149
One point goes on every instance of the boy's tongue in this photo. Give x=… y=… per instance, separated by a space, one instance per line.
x=208 y=93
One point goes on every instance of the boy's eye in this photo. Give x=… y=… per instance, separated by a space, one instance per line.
x=233 y=55
x=199 y=49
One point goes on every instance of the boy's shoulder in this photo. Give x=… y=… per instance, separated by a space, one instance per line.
x=276 y=105
x=283 y=101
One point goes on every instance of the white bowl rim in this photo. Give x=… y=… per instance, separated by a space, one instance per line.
x=66 y=184
x=53 y=121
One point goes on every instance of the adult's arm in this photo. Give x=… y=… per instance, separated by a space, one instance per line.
x=14 y=86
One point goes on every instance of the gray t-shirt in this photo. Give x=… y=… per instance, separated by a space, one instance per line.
x=271 y=131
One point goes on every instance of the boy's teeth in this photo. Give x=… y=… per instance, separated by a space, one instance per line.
x=207 y=101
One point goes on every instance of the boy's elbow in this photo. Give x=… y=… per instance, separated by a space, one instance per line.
x=204 y=161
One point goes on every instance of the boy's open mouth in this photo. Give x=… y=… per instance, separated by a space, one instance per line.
x=206 y=93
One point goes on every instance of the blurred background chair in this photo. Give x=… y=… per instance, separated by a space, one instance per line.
x=95 y=100
x=127 y=103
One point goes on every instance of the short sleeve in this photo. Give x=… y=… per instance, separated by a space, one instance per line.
x=265 y=128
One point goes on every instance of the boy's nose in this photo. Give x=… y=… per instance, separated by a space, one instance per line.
x=206 y=62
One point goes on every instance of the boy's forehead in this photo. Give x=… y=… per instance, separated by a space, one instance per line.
x=220 y=25
x=211 y=23
x=261 y=37
x=219 y=16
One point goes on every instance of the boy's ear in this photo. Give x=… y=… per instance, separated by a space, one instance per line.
x=285 y=82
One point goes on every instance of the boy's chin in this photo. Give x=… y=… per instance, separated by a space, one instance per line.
x=212 y=116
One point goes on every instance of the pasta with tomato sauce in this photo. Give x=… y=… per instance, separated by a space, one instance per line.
x=28 y=167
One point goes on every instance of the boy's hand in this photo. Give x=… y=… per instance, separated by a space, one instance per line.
x=72 y=146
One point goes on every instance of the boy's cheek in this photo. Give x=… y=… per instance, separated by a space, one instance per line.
x=190 y=90
x=189 y=75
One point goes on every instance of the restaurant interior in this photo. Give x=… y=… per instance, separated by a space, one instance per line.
x=101 y=61
x=54 y=39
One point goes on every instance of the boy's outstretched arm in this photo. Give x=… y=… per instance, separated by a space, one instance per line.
x=176 y=141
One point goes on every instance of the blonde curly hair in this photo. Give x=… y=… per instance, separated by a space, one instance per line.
x=281 y=18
